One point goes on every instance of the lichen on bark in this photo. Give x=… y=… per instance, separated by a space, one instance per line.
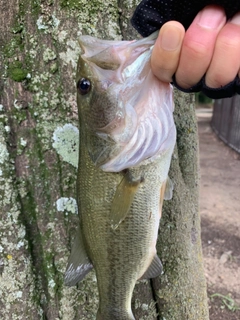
x=181 y=291
x=16 y=283
x=38 y=53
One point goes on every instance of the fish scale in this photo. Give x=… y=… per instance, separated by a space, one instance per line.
x=119 y=256
x=119 y=209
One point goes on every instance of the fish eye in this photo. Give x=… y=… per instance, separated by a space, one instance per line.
x=83 y=86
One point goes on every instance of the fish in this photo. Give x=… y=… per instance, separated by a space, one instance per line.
x=127 y=137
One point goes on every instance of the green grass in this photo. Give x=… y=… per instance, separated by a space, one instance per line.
x=227 y=301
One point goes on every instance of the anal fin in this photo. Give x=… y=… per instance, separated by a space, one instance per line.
x=123 y=199
x=154 y=270
x=79 y=264
x=168 y=194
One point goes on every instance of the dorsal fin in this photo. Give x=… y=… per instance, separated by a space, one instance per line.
x=78 y=264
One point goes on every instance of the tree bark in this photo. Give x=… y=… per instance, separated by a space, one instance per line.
x=181 y=291
x=38 y=156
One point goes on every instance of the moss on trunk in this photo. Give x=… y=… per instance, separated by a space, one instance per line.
x=39 y=51
x=181 y=291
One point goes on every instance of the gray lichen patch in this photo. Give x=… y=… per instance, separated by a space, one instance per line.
x=22 y=143
x=94 y=26
x=16 y=285
x=73 y=296
x=66 y=143
x=16 y=280
x=4 y=168
x=47 y=22
x=71 y=53
x=3 y=153
x=49 y=55
x=69 y=205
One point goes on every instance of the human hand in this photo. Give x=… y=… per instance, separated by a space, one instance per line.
x=210 y=47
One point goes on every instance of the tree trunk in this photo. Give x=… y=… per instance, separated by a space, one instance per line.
x=38 y=156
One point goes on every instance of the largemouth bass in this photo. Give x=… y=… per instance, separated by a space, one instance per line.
x=127 y=136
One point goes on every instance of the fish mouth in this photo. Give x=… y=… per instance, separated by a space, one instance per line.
x=113 y=61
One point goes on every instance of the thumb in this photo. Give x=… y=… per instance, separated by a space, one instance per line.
x=166 y=51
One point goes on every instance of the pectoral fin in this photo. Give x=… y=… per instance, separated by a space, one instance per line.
x=78 y=264
x=154 y=270
x=122 y=200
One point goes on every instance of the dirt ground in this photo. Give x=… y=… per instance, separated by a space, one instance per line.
x=220 y=214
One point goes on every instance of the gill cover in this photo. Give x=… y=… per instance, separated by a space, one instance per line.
x=141 y=125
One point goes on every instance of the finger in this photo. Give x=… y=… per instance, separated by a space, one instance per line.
x=225 y=63
x=198 y=45
x=166 y=51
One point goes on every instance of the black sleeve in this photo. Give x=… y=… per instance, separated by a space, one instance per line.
x=150 y=15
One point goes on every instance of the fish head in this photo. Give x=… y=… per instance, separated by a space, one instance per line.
x=96 y=102
x=121 y=103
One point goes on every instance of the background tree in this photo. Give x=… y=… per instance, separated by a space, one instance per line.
x=38 y=148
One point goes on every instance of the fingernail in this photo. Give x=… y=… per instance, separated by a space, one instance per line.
x=211 y=17
x=236 y=19
x=170 y=38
